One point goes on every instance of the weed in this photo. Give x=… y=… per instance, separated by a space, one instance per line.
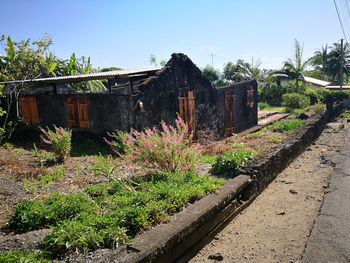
x=109 y=214
x=345 y=115
x=16 y=256
x=228 y=164
x=103 y=166
x=60 y=140
x=284 y=126
x=210 y=159
x=7 y=145
x=275 y=139
x=43 y=156
x=117 y=142
x=34 y=185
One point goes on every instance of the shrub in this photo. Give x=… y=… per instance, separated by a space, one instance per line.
x=103 y=166
x=60 y=141
x=323 y=94
x=345 y=115
x=228 y=164
x=263 y=105
x=167 y=150
x=44 y=157
x=312 y=95
x=116 y=142
x=285 y=126
x=295 y=101
x=340 y=95
x=272 y=94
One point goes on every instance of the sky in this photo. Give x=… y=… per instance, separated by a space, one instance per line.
x=124 y=33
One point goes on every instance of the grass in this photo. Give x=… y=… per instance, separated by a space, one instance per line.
x=345 y=115
x=209 y=159
x=107 y=215
x=16 y=256
x=35 y=185
x=274 y=109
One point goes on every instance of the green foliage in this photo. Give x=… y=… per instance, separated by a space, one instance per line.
x=263 y=106
x=214 y=76
x=272 y=94
x=43 y=156
x=109 y=214
x=116 y=142
x=340 y=95
x=295 y=101
x=8 y=146
x=323 y=94
x=16 y=256
x=345 y=115
x=228 y=164
x=210 y=159
x=275 y=139
x=312 y=95
x=103 y=166
x=43 y=182
x=284 y=126
x=59 y=140
x=30 y=215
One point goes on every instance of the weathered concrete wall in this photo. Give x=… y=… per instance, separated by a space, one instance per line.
x=161 y=95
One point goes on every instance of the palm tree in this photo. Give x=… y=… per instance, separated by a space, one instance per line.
x=295 y=69
x=339 y=57
x=320 y=61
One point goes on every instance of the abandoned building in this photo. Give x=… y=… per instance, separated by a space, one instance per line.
x=143 y=98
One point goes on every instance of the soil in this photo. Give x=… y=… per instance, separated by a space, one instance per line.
x=275 y=227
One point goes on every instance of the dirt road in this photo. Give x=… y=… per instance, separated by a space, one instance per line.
x=275 y=227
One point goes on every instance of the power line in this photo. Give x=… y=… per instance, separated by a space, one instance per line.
x=347 y=12
x=346 y=16
x=340 y=21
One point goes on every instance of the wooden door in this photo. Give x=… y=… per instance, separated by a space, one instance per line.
x=187 y=110
x=29 y=110
x=77 y=112
x=229 y=113
x=250 y=97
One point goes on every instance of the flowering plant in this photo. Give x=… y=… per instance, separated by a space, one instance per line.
x=59 y=140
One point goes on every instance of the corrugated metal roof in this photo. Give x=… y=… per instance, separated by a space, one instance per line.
x=92 y=76
x=318 y=82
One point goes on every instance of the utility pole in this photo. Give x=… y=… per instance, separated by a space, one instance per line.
x=212 y=59
x=341 y=64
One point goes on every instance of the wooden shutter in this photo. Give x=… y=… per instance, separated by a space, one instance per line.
x=229 y=113
x=191 y=120
x=187 y=110
x=71 y=113
x=83 y=114
x=250 y=97
x=29 y=110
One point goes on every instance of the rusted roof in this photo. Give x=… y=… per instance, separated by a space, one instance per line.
x=92 y=76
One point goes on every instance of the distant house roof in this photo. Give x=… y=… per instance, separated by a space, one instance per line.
x=317 y=82
x=86 y=77
x=338 y=87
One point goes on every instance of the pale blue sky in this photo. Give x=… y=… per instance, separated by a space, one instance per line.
x=124 y=32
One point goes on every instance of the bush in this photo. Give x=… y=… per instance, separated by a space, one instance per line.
x=116 y=142
x=340 y=95
x=312 y=95
x=272 y=94
x=295 y=101
x=168 y=150
x=228 y=164
x=60 y=141
x=263 y=105
x=323 y=94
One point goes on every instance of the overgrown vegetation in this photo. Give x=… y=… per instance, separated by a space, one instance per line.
x=107 y=215
x=16 y=256
x=295 y=101
x=168 y=150
x=60 y=142
x=284 y=126
x=229 y=163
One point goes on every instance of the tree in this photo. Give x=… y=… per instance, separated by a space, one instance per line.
x=153 y=61
x=234 y=72
x=320 y=62
x=295 y=69
x=339 y=57
x=22 y=60
x=214 y=76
